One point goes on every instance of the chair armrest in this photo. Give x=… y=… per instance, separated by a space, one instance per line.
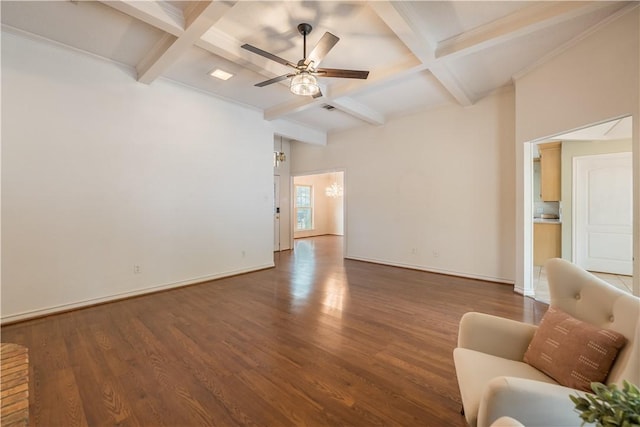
x=532 y=403
x=494 y=335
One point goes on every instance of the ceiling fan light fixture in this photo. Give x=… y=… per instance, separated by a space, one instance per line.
x=304 y=84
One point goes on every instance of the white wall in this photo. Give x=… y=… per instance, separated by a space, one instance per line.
x=327 y=211
x=434 y=190
x=101 y=173
x=596 y=80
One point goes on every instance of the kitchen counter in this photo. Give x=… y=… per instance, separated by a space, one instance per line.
x=546 y=221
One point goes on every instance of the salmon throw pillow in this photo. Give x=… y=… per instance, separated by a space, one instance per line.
x=572 y=352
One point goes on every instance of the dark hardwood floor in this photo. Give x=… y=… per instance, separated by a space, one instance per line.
x=316 y=341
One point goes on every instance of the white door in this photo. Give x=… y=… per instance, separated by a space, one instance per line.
x=276 y=212
x=602 y=206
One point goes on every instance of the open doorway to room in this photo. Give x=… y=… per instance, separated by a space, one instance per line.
x=581 y=203
x=318 y=204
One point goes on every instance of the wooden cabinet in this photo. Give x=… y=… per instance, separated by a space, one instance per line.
x=550 y=171
x=546 y=242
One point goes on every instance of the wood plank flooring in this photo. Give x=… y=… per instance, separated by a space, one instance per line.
x=316 y=341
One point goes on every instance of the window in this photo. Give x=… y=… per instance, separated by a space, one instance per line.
x=304 y=211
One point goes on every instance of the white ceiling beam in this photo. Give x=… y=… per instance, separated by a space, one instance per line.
x=358 y=110
x=629 y=6
x=451 y=84
x=298 y=132
x=524 y=21
x=447 y=79
x=157 y=14
x=401 y=18
x=198 y=20
x=152 y=64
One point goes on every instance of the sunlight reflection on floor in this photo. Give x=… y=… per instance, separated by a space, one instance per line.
x=336 y=295
x=303 y=271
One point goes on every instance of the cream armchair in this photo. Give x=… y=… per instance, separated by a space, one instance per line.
x=495 y=382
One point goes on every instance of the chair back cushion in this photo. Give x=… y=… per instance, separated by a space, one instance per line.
x=590 y=299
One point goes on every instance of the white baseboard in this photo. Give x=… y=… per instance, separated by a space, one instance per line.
x=435 y=270
x=114 y=297
x=522 y=291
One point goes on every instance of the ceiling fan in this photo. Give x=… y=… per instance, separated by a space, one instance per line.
x=303 y=80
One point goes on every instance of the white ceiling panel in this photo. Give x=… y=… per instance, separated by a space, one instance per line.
x=445 y=19
x=420 y=54
x=272 y=26
x=417 y=91
x=488 y=69
x=85 y=25
x=195 y=65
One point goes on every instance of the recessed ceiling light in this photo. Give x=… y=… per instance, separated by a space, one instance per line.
x=222 y=75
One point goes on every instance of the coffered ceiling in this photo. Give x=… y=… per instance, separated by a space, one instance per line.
x=420 y=55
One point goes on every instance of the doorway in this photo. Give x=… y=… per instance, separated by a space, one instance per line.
x=318 y=204
x=605 y=139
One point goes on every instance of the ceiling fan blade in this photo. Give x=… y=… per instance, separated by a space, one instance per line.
x=274 y=80
x=326 y=43
x=267 y=55
x=345 y=74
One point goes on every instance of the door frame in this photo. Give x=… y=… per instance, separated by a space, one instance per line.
x=524 y=193
x=277 y=209
x=344 y=202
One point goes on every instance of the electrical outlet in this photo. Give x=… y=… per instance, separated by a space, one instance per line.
x=136 y=269
x=436 y=254
x=414 y=251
